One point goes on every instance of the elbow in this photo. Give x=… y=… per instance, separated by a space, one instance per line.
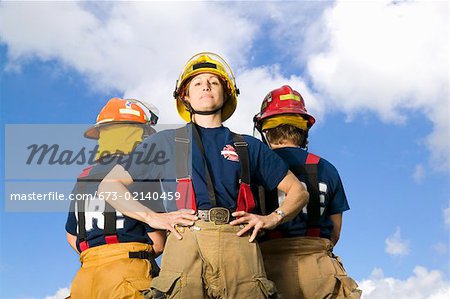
x=72 y=240
x=157 y=249
x=106 y=186
x=305 y=197
x=158 y=246
x=334 y=239
x=102 y=186
x=159 y=240
x=303 y=194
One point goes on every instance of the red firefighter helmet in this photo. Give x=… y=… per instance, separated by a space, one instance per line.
x=283 y=100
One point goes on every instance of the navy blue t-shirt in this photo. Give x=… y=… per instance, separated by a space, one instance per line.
x=128 y=229
x=330 y=188
x=266 y=168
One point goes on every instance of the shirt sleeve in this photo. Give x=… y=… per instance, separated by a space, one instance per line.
x=338 y=199
x=149 y=159
x=270 y=169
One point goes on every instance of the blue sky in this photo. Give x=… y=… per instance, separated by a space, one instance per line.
x=378 y=89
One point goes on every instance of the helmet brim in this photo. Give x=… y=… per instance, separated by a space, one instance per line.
x=93 y=132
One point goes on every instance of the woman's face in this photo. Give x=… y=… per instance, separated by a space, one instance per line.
x=205 y=92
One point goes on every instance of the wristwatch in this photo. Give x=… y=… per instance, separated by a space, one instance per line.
x=281 y=214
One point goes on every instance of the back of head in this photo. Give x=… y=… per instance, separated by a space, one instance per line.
x=283 y=117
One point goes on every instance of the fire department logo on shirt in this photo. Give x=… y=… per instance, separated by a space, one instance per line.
x=229 y=153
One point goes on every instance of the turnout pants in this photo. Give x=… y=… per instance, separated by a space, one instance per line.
x=108 y=272
x=211 y=262
x=306 y=268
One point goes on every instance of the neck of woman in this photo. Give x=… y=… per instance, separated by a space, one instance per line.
x=208 y=121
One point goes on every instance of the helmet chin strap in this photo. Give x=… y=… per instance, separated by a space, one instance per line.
x=207 y=112
x=193 y=111
x=262 y=134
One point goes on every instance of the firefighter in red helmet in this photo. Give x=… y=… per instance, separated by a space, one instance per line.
x=298 y=254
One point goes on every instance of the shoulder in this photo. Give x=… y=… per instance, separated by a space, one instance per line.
x=253 y=141
x=86 y=171
x=328 y=168
x=160 y=140
x=160 y=136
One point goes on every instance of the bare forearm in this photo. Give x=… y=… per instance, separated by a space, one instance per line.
x=72 y=240
x=296 y=196
x=159 y=239
x=337 y=225
x=118 y=196
x=114 y=190
x=296 y=199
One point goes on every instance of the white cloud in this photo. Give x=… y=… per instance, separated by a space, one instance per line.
x=60 y=294
x=137 y=48
x=421 y=284
x=419 y=173
x=390 y=58
x=395 y=245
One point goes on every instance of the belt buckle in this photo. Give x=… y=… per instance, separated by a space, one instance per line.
x=219 y=215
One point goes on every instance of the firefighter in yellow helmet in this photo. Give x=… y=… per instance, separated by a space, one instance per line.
x=116 y=252
x=211 y=254
x=214 y=65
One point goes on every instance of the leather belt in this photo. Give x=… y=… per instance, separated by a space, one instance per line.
x=217 y=215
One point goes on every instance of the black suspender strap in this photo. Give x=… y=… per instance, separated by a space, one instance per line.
x=109 y=213
x=309 y=172
x=110 y=220
x=209 y=183
x=81 y=189
x=314 y=196
x=242 y=150
x=182 y=144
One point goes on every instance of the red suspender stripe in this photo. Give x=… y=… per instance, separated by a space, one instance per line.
x=313 y=232
x=245 y=200
x=112 y=239
x=312 y=159
x=108 y=239
x=187 y=195
x=85 y=172
x=184 y=182
x=84 y=245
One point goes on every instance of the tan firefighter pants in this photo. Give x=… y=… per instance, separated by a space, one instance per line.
x=108 y=272
x=306 y=268
x=212 y=262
